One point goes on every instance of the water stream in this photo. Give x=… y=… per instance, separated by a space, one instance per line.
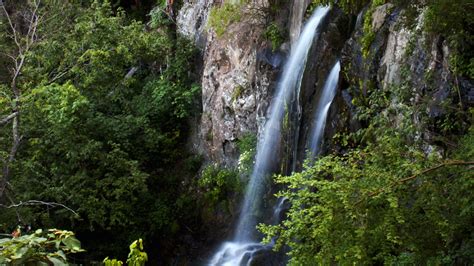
x=245 y=244
x=320 y=116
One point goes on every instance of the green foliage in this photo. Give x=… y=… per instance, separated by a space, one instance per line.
x=274 y=35
x=104 y=105
x=379 y=205
x=158 y=16
x=173 y=91
x=137 y=257
x=388 y=201
x=112 y=262
x=349 y=6
x=247 y=145
x=219 y=183
x=369 y=34
x=224 y=15
x=40 y=247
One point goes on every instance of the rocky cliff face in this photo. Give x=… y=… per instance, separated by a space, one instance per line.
x=235 y=91
x=298 y=10
x=238 y=76
x=192 y=20
x=403 y=56
x=240 y=71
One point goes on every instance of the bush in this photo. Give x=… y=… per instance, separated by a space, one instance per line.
x=219 y=183
x=274 y=35
x=48 y=247
x=136 y=257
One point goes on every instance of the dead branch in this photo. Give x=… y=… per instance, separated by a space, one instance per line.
x=7 y=119
x=406 y=179
x=18 y=217
x=38 y=203
x=12 y=27
x=23 y=48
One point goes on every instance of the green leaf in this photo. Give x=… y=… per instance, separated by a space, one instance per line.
x=21 y=251
x=56 y=261
x=72 y=243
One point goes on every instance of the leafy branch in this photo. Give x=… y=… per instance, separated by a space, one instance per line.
x=41 y=247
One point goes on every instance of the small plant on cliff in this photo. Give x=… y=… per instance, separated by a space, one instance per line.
x=274 y=34
x=218 y=183
x=223 y=16
x=369 y=35
x=247 y=145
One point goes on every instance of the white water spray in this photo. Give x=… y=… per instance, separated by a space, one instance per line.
x=242 y=249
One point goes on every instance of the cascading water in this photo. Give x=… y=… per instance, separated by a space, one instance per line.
x=242 y=249
x=329 y=91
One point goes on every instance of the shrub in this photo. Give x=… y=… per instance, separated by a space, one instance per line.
x=48 y=247
x=222 y=16
x=218 y=183
x=274 y=35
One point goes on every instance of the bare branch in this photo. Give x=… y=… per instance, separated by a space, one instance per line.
x=15 y=145
x=23 y=47
x=7 y=119
x=33 y=25
x=14 y=32
x=406 y=179
x=18 y=217
x=9 y=56
x=59 y=75
x=38 y=203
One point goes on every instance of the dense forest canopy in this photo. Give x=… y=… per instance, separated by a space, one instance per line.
x=100 y=102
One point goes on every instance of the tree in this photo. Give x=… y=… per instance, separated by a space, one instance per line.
x=104 y=108
x=24 y=40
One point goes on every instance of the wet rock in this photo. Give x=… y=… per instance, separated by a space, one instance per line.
x=379 y=16
x=323 y=55
x=394 y=55
x=229 y=70
x=275 y=59
x=404 y=58
x=298 y=9
x=266 y=257
x=192 y=19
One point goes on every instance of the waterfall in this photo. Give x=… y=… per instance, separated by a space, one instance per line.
x=245 y=245
x=329 y=91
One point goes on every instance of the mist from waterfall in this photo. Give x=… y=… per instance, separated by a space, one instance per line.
x=244 y=245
